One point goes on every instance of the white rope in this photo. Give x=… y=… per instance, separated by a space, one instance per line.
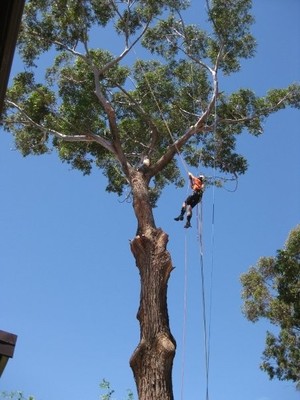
x=203 y=298
x=184 y=315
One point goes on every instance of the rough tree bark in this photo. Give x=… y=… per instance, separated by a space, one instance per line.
x=152 y=360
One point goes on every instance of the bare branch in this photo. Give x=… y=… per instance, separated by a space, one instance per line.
x=69 y=49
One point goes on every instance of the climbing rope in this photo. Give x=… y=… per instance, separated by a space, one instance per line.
x=184 y=313
x=203 y=298
x=207 y=318
x=236 y=184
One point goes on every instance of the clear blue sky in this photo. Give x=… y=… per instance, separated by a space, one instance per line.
x=69 y=285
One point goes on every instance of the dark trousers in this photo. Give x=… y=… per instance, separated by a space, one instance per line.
x=194 y=199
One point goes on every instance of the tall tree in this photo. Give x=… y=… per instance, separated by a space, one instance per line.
x=95 y=110
x=271 y=290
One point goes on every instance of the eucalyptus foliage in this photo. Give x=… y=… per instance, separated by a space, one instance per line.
x=98 y=109
x=108 y=391
x=17 y=395
x=271 y=290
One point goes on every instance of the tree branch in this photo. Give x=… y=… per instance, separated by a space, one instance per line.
x=196 y=128
x=125 y=51
x=89 y=137
x=69 y=49
x=145 y=117
x=260 y=114
x=110 y=112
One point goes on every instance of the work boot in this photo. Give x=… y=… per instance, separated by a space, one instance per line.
x=188 y=224
x=180 y=217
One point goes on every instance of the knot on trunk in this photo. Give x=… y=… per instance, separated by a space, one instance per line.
x=165 y=344
x=153 y=241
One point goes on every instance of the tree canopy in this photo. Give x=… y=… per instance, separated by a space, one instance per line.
x=271 y=290
x=96 y=109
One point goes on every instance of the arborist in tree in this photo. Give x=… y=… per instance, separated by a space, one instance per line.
x=197 y=184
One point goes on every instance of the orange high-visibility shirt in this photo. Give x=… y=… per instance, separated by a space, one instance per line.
x=196 y=184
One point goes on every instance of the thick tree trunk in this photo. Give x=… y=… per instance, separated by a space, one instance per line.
x=152 y=360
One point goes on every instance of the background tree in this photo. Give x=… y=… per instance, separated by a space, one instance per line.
x=95 y=111
x=108 y=391
x=104 y=386
x=271 y=290
x=15 y=396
